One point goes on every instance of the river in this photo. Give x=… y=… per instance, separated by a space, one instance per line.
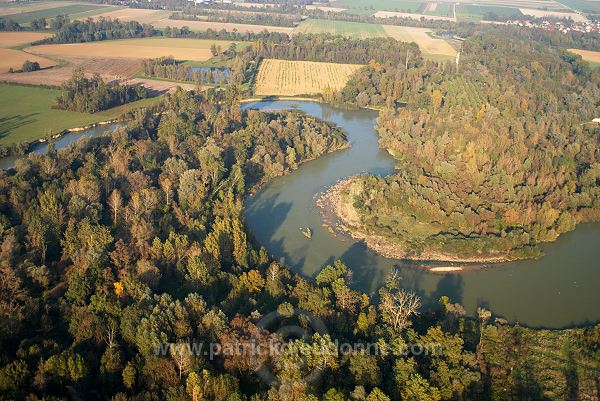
x=558 y=290
x=61 y=142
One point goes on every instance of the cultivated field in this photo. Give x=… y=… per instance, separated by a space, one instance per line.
x=141 y=15
x=12 y=58
x=538 y=4
x=392 y=14
x=352 y=29
x=325 y=8
x=427 y=44
x=369 y=7
x=110 y=69
x=11 y=39
x=18 y=8
x=217 y=26
x=556 y=14
x=180 y=49
x=587 y=55
x=479 y=12
x=281 y=77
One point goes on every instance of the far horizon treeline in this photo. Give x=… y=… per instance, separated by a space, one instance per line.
x=75 y=31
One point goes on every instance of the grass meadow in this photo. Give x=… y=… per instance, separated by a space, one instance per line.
x=362 y=7
x=26 y=113
x=470 y=12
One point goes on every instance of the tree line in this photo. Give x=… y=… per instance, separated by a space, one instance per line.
x=90 y=30
x=337 y=49
x=90 y=95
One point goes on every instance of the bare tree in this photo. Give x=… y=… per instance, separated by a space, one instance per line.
x=397 y=307
x=182 y=356
x=115 y=201
x=110 y=334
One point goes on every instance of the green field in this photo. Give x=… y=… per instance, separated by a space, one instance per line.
x=363 y=7
x=478 y=12
x=592 y=7
x=352 y=29
x=26 y=113
x=88 y=9
x=442 y=10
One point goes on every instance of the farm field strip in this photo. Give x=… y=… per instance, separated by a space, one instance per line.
x=537 y=4
x=556 y=14
x=367 y=8
x=427 y=44
x=11 y=39
x=478 y=11
x=11 y=58
x=27 y=17
x=141 y=15
x=392 y=14
x=352 y=29
x=290 y=78
x=110 y=69
x=18 y=8
x=587 y=55
x=180 y=49
x=217 y=26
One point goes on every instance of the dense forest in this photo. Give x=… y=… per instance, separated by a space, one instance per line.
x=122 y=243
x=336 y=49
x=96 y=29
x=495 y=155
x=89 y=95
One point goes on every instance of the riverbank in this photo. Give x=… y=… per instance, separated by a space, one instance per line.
x=306 y=99
x=339 y=213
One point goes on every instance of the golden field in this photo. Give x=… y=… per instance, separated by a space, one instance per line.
x=290 y=78
x=12 y=58
x=10 y=39
x=180 y=49
x=141 y=15
x=427 y=44
x=587 y=55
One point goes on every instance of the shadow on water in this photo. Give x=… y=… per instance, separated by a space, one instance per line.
x=450 y=285
x=368 y=276
x=263 y=210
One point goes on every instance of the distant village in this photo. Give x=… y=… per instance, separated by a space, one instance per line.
x=561 y=26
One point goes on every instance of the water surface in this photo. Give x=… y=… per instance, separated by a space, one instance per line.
x=62 y=142
x=560 y=289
